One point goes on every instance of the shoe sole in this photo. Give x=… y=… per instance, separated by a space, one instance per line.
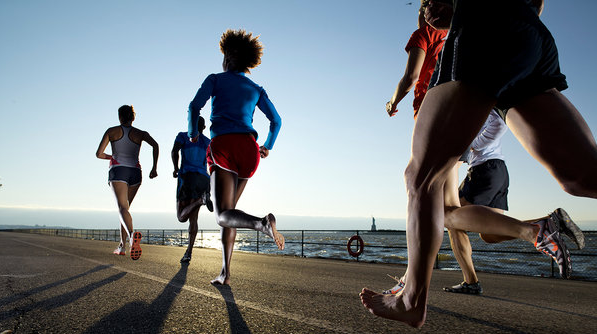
x=136 y=247
x=569 y=228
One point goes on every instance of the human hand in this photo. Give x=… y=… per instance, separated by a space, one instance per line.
x=175 y=173
x=263 y=152
x=391 y=109
x=439 y=15
x=153 y=173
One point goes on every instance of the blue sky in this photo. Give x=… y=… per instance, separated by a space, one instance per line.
x=329 y=67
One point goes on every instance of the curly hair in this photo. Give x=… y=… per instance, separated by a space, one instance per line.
x=241 y=49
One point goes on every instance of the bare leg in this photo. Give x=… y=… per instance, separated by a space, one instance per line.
x=481 y=219
x=124 y=196
x=193 y=228
x=233 y=218
x=227 y=189
x=551 y=129
x=450 y=117
x=184 y=209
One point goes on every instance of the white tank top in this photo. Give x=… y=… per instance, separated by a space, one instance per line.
x=125 y=152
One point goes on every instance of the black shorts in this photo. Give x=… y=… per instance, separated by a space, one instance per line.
x=501 y=47
x=129 y=175
x=191 y=185
x=487 y=184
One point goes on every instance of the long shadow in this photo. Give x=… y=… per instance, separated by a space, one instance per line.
x=25 y=294
x=139 y=317
x=237 y=322
x=541 y=307
x=476 y=320
x=60 y=300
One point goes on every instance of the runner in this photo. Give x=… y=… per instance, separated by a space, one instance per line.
x=193 y=182
x=124 y=176
x=233 y=155
x=471 y=79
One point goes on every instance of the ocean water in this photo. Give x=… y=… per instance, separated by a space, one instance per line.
x=511 y=257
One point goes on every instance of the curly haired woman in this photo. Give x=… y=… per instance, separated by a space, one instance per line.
x=233 y=154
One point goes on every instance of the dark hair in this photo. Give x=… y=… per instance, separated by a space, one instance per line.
x=241 y=50
x=126 y=113
x=200 y=123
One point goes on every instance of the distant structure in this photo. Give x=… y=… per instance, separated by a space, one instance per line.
x=373 y=227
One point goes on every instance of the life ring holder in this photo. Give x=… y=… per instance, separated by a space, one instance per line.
x=360 y=246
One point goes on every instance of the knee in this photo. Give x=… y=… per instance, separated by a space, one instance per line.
x=420 y=181
x=449 y=218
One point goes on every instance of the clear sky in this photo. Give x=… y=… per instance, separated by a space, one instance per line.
x=329 y=67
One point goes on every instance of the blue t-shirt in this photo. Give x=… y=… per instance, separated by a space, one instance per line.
x=194 y=158
x=234 y=97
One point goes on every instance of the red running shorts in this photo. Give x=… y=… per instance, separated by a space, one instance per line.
x=237 y=153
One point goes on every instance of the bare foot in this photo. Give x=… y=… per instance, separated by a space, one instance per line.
x=270 y=229
x=393 y=307
x=222 y=279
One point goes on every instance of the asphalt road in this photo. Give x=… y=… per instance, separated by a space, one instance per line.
x=63 y=285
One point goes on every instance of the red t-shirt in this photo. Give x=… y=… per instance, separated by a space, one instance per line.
x=431 y=41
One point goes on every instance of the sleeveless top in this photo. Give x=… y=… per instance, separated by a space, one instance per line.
x=125 y=152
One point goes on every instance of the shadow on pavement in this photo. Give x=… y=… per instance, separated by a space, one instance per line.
x=237 y=322
x=139 y=317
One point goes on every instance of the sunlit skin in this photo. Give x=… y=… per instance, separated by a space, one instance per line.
x=548 y=126
x=227 y=187
x=124 y=193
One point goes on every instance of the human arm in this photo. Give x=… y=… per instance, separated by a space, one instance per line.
x=174 y=154
x=416 y=57
x=275 y=122
x=439 y=14
x=156 y=152
x=203 y=94
x=102 y=147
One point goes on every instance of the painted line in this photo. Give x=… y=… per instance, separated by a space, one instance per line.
x=327 y=325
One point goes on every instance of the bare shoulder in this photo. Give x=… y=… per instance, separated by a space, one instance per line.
x=114 y=133
x=137 y=135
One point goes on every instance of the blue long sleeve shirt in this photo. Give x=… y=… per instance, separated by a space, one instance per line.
x=234 y=97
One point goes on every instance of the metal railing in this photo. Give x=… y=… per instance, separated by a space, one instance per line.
x=380 y=247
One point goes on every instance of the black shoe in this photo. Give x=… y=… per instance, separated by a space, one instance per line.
x=186 y=258
x=464 y=287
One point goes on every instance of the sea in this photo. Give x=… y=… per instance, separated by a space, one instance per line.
x=383 y=246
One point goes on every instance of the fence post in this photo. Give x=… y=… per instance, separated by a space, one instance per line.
x=358 y=245
x=163 y=237
x=552 y=268
x=302 y=243
x=436 y=266
x=257 y=242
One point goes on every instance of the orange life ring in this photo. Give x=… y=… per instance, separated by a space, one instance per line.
x=360 y=246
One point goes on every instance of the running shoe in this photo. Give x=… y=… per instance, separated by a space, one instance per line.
x=568 y=227
x=119 y=250
x=464 y=287
x=550 y=242
x=186 y=258
x=396 y=288
x=136 y=246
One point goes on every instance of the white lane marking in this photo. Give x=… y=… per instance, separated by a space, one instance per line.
x=324 y=324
